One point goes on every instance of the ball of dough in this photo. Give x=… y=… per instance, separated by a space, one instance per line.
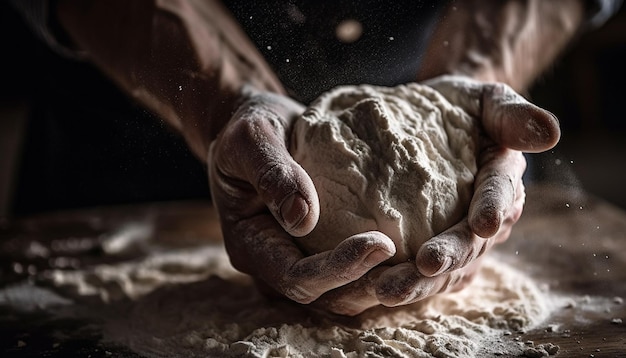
x=399 y=160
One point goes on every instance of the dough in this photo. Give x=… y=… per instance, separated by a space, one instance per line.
x=398 y=160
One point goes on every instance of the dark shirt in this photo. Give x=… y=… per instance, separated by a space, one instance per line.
x=88 y=144
x=299 y=39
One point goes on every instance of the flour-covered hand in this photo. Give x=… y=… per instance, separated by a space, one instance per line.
x=512 y=126
x=265 y=199
x=449 y=261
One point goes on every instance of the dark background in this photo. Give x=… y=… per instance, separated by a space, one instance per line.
x=586 y=90
x=82 y=143
x=118 y=153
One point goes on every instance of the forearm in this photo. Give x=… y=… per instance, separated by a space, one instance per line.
x=187 y=61
x=507 y=41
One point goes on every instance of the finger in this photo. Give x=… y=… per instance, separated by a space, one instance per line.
x=256 y=151
x=403 y=284
x=315 y=275
x=513 y=215
x=515 y=212
x=506 y=116
x=515 y=123
x=451 y=250
x=496 y=205
x=353 y=298
x=260 y=247
x=496 y=188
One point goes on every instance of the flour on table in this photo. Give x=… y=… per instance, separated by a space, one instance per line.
x=399 y=160
x=191 y=302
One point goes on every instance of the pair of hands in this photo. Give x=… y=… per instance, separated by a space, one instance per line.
x=171 y=56
x=265 y=199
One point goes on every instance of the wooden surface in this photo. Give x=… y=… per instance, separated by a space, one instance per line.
x=577 y=245
x=574 y=244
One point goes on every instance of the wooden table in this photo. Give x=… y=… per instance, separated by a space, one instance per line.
x=577 y=244
x=574 y=243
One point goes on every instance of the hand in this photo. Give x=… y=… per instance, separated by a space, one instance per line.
x=512 y=126
x=448 y=261
x=265 y=198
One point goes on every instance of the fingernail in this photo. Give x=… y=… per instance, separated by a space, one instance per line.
x=486 y=222
x=556 y=135
x=445 y=265
x=293 y=210
x=556 y=119
x=376 y=257
x=300 y=294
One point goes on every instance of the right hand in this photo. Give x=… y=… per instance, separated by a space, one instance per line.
x=265 y=199
x=448 y=261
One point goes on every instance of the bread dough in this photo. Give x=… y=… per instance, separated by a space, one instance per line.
x=398 y=160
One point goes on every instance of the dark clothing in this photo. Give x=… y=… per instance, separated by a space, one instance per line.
x=299 y=40
x=88 y=144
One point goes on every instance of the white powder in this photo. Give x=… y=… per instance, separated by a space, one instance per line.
x=191 y=303
x=398 y=160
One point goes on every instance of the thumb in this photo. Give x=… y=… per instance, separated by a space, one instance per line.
x=253 y=149
x=515 y=123
x=507 y=117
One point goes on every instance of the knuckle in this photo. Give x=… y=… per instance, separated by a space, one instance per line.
x=300 y=294
x=421 y=292
x=470 y=255
x=502 y=92
x=397 y=292
x=354 y=248
x=348 y=275
x=271 y=175
x=246 y=129
x=274 y=182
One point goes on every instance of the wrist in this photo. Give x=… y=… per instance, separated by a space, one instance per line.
x=505 y=41
x=187 y=61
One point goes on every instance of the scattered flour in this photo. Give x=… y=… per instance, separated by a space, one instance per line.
x=191 y=303
x=399 y=160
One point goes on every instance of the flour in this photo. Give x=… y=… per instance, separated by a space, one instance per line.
x=191 y=302
x=398 y=160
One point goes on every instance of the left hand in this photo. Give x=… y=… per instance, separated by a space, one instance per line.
x=513 y=126
x=265 y=200
x=448 y=261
